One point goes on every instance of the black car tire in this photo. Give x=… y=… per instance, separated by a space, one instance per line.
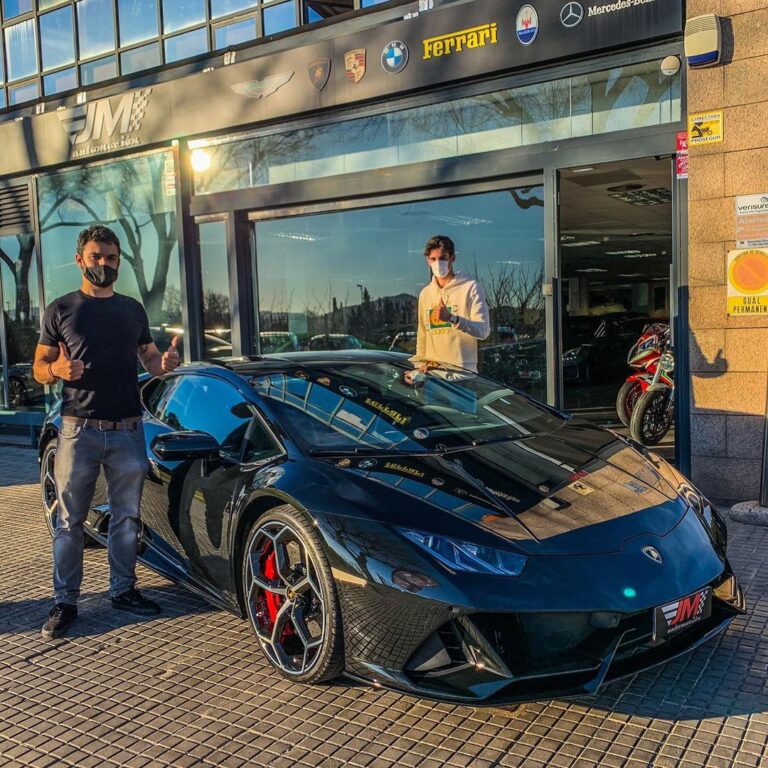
x=313 y=606
x=651 y=419
x=17 y=392
x=48 y=490
x=627 y=399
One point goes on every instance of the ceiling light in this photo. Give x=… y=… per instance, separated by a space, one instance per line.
x=580 y=244
x=633 y=274
x=622 y=253
x=589 y=270
x=201 y=160
x=582 y=170
x=639 y=255
x=295 y=236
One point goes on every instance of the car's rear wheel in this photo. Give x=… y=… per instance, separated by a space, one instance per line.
x=48 y=490
x=291 y=597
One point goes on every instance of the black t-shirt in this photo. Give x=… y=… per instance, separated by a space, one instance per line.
x=105 y=334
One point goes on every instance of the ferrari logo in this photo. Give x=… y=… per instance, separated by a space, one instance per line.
x=354 y=64
x=319 y=72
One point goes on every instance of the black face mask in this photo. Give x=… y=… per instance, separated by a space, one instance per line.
x=101 y=275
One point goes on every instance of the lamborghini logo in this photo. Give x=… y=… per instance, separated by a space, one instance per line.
x=319 y=72
x=260 y=89
x=354 y=64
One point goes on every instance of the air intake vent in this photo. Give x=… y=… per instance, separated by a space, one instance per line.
x=15 y=207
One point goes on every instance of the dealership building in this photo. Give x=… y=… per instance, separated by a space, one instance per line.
x=273 y=170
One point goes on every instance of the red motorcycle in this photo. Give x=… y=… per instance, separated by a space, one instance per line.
x=644 y=356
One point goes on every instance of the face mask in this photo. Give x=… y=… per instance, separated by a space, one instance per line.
x=440 y=268
x=101 y=275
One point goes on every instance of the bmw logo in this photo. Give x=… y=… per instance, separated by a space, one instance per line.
x=527 y=25
x=572 y=15
x=394 y=57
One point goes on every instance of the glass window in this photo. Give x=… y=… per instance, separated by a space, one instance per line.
x=317 y=10
x=95 y=24
x=21 y=93
x=258 y=443
x=96 y=71
x=207 y=404
x=63 y=80
x=233 y=34
x=187 y=45
x=223 y=7
x=130 y=196
x=278 y=18
x=145 y=57
x=21 y=50
x=214 y=277
x=178 y=14
x=21 y=310
x=57 y=40
x=628 y=97
x=2 y=98
x=138 y=20
x=43 y=5
x=314 y=286
x=13 y=8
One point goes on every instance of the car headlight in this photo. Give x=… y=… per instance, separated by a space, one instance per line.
x=468 y=557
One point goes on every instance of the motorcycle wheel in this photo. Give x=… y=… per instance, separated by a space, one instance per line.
x=627 y=399
x=652 y=416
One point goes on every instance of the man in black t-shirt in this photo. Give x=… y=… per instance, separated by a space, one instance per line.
x=90 y=339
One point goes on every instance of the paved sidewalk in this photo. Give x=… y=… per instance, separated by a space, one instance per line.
x=191 y=688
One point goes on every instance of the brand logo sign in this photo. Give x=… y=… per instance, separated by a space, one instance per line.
x=620 y=5
x=260 y=89
x=653 y=553
x=106 y=119
x=456 y=42
x=394 y=57
x=354 y=64
x=572 y=15
x=527 y=24
x=686 y=610
x=319 y=71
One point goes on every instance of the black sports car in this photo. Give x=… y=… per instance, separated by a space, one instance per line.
x=436 y=533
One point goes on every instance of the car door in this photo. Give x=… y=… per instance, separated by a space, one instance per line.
x=189 y=503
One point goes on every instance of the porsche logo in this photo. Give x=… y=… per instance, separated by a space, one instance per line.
x=354 y=64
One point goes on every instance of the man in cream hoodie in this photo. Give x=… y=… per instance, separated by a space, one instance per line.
x=453 y=314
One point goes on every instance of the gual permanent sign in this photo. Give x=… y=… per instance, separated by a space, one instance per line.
x=747 y=272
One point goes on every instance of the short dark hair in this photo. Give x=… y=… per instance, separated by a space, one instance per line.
x=442 y=242
x=98 y=233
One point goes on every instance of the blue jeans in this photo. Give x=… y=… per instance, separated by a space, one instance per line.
x=80 y=452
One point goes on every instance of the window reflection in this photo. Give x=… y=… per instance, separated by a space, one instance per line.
x=96 y=71
x=178 y=14
x=278 y=18
x=22 y=93
x=57 y=39
x=21 y=50
x=64 y=80
x=223 y=7
x=144 y=57
x=138 y=20
x=130 y=197
x=13 y=8
x=186 y=45
x=95 y=26
x=234 y=34
x=214 y=274
x=351 y=280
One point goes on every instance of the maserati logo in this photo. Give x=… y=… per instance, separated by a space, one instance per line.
x=260 y=89
x=318 y=73
x=653 y=553
x=572 y=15
x=100 y=120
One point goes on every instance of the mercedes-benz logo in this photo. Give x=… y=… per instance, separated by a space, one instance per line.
x=571 y=15
x=653 y=553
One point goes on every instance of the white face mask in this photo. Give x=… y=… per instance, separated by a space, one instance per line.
x=440 y=268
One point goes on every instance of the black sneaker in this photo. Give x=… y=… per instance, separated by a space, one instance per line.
x=133 y=602
x=59 y=619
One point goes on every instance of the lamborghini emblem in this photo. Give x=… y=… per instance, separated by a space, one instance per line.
x=319 y=72
x=354 y=64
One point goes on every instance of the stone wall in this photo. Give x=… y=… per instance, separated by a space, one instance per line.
x=728 y=355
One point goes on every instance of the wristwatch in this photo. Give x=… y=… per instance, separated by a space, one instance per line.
x=453 y=319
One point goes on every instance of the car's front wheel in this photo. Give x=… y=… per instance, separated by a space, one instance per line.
x=291 y=597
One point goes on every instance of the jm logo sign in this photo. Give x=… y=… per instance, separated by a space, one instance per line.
x=106 y=120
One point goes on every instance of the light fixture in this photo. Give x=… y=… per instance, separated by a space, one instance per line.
x=590 y=270
x=580 y=244
x=582 y=170
x=622 y=253
x=201 y=160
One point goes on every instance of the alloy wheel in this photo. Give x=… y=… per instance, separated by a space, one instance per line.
x=284 y=597
x=48 y=487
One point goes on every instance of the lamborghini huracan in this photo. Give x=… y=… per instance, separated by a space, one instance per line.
x=433 y=532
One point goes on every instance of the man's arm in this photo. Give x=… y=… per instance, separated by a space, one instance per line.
x=157 y=363
x=53 y=363
x=478 y=324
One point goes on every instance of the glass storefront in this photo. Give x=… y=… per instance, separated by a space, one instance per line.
x=351 y=279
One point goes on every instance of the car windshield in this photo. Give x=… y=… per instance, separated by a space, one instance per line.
x=386 y=406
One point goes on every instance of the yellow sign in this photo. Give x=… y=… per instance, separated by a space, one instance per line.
x=706 y=128
x=748 y=282
x=456 y=42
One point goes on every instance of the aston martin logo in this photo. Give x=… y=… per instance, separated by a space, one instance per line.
x=319 y=71
x=653 y=553
x=354 y=64
x=99 y=120
x=260 y=89
x=571 y=15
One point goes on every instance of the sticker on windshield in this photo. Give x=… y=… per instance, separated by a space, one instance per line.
x=438 y=481
x=367 y=463
x=348 y=391
x=324 y=380
x=302 y=375
x=344 y=463
x=421 y=433
x=403 y=469
x=581 y=488
x=396 y=417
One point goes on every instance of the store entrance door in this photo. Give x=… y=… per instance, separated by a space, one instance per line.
x=616 y=246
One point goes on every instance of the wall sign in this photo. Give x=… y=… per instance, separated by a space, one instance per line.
x=705 y=128
x=747 y=272
x=752 y=221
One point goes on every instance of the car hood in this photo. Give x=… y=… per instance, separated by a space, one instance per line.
x=580 y=490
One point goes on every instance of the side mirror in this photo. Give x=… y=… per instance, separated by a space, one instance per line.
x=184 y=446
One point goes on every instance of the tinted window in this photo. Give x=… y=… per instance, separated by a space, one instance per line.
x=207 y=404
x=155 y=394
x=258 y=443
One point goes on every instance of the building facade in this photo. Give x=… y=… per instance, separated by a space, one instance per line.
x=274 y=191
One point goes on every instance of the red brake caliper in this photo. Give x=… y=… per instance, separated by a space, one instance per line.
x=272 y=599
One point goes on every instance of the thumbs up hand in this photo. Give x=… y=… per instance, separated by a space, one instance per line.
x=66 y=369
x=170 y=358
x=443 y=312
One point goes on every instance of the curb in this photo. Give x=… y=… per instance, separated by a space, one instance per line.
x=749 y=512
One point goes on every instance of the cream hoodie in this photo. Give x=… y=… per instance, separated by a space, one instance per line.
x=439 y=341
